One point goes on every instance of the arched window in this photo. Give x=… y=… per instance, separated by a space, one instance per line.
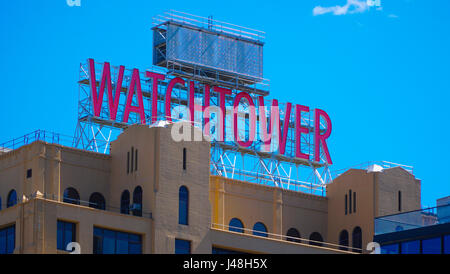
x=315 y=239
x=183 y=206
x=357 y=239
x=125 y=202
x=71 y=196
x=292 y=235
x=137 y=201
x=0 y=203
x=12 y=198
x=236 y=225
x=343 y=240
x=259 y=229
x=97 y=201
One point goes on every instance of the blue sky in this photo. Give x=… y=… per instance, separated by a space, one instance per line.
x=381 y=73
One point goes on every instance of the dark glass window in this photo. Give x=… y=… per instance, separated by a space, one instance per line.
x=346 y=206
x=12 y=198
x=71 y=196
x=447 y=244
x=137 y=201
x=259 y=229
x=125 y=202
x=128 y=162
x=136 y=160
x=66 y=234
x=29 y=173
x=132 y=158
x=357 y=239
x=350 y=201
x=183 y=207
x=115 y=242
x=432 y=246
x=0 y=203
x=184 y=158
x=343 y=240
x=390 y=249
x=292 y=235
x=315 y=239
x=97 y=201
x=182 y=247
x=411 y=247
x=399 y=201
x=236 y=225
x=7 y=239
x=354 y=202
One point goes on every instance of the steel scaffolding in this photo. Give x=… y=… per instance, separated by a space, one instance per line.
x=228 y=158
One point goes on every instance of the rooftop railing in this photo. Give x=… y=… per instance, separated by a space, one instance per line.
x=209 y=23
x=285 y=238
x=130 y=210
x=37 y=135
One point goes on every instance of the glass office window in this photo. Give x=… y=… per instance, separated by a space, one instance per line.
x=115 y=242
x=109 y=242
x=390 y=249
x=10 y=239
x=3 y=241
x=134 y=244
x=7 y=239
x=431 y=246
x=182 y=247
x=447 y=244
x=122 y=243
x=411 y=247
x=65 y=234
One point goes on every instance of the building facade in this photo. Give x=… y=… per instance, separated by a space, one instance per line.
x=151 y=194
x=424 y=231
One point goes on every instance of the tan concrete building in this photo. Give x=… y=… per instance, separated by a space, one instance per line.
x=151 y=194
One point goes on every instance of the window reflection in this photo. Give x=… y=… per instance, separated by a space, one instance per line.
x=411 y=247
x=431 y=246
x=390 y=249
x=114 y=242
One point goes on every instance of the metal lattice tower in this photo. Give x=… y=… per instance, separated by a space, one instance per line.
x=182 y=49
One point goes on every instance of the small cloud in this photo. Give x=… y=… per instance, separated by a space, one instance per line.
x=352 y=6
x=392 y=16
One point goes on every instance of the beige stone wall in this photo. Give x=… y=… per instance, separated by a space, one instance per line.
x=260 y=245
x=13 y=167
x=160 y=174
x=376 y=195
x=144 y=141
x=389 y=183
x=87 y=172
x=54 y=168
x=171 y=178
x=212 y=199
x=36 y=225
x=362 y=183
x=277 y=209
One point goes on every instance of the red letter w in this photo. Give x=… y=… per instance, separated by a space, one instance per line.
x=97 y=98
